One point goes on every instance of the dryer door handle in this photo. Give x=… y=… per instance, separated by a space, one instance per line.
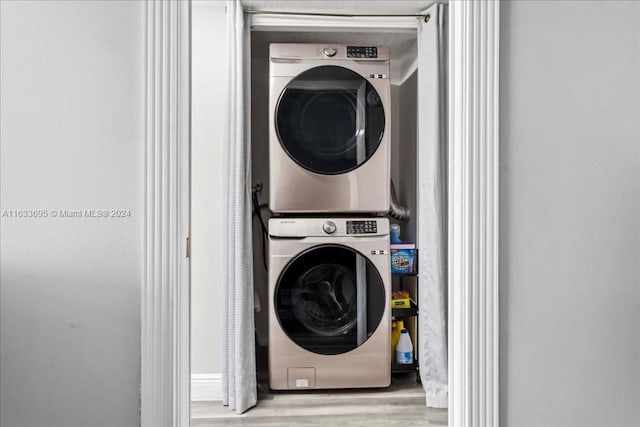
x=285 y=60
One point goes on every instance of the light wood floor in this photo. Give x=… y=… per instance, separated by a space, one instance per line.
x=402 y=404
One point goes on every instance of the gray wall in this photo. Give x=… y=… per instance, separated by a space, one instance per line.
x=72 y=137
x=209 y=68
x=570 y=228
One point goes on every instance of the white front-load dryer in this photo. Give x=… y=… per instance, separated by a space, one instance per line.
x=329 y=128
x=329 y=311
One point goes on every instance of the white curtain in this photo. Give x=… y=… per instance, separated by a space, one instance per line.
x=431 y=208
x=239 y=365
x=238 y=345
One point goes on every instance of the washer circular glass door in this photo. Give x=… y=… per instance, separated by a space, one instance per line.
x=330 y=120
x=330 y=299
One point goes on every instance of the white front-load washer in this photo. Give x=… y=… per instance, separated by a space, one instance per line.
x=329 y=128
x=329 y=311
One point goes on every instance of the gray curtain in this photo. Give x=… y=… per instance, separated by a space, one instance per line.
x=238 y=345
x=432 y=202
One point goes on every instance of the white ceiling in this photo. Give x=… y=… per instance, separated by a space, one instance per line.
x=374 y=7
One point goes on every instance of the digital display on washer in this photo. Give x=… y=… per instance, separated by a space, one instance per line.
x=362 y=52
x=362 y=227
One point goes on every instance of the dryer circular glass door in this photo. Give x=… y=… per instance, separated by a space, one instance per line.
x=330 y=120
x=330 y=299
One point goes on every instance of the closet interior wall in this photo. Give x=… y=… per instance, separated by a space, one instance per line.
x=404 y=84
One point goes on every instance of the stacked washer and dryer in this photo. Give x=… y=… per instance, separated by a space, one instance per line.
x=329 y=175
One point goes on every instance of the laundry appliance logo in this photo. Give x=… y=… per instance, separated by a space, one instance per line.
x=65 y=213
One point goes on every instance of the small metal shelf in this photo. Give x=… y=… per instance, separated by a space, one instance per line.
x=404 y=274
x=405 y=312
x=404 y=368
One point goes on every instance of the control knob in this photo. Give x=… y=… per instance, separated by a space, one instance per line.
x=329 y=227
x=329 y=51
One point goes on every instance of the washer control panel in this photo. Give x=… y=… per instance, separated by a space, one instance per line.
x=354 y=227
x=362 y=227
x=362 y=52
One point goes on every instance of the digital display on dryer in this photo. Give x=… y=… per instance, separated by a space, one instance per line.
x=362 y=227
x=362 y=52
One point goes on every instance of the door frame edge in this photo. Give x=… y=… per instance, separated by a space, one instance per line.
x=474 y=41
x=165 y=308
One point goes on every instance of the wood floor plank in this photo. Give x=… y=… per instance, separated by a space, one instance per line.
x=402 y=404
x=406 y=418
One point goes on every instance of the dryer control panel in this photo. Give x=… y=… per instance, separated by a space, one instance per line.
x=284 y=53
x=362 y=227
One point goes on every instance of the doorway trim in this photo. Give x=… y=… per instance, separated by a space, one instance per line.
x=474 y=36
x=473 y=215
x=165 y=328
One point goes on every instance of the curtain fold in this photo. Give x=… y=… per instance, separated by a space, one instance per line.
x=432 y=199
x=238 y=345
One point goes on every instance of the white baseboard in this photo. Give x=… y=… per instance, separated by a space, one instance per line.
x=206 y=387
